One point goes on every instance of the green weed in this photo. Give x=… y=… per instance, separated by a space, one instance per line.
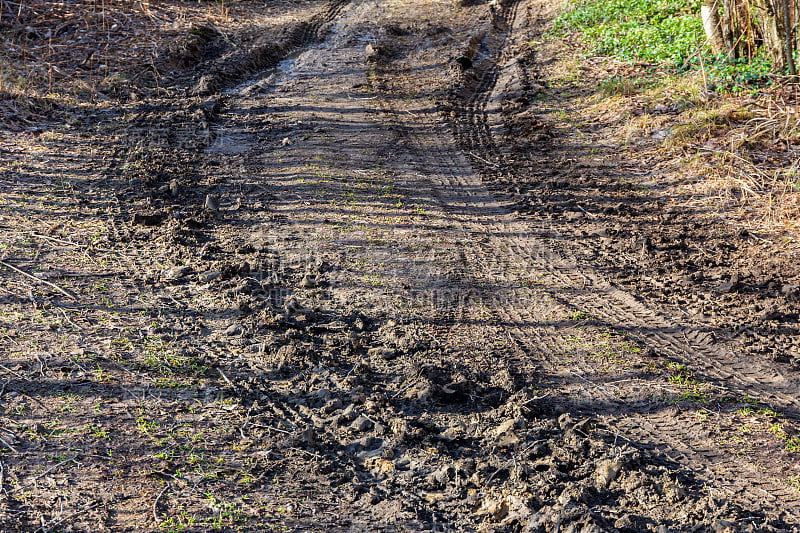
x=666 y=32
x=662 y=31
x=791 y=443
x=146 y=426
x=578 y=316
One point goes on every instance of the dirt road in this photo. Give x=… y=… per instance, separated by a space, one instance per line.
x=307 y=297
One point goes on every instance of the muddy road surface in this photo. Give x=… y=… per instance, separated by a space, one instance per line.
x=339 y=273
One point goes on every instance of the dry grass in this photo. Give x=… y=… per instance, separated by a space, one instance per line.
x=86 y=47
x=745 y=150
x=707 y=123
x=776 y=116
x=751 y=162
x=767 y=200
x=738 y=153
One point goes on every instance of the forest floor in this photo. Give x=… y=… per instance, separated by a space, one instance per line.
x=399 y=265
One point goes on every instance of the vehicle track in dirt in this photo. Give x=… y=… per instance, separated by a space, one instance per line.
x=341 y=323
x=609 y=303
x=506 y=243
x=483 y=248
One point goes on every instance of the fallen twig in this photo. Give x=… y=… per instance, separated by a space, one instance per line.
x=228 y=381
x=93 y=275
x=402 y=390
x=514 y=458
x=40 y=280
x=4 y=367
x=262 y=426
x=629 y=452
x=70 y=243
x=7 y=445
x=599 y=387
x=585 y=211
x=479 y=158
x=55 y=466
x=62 y=241
x=545 y=395
x=68 y=319
x=155 y=503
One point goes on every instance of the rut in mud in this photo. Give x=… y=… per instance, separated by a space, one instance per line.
x=324 y=308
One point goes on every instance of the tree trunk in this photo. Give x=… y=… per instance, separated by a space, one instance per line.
x=767 y=18
x=728 y=21
x=709 y=12
x=788 y=37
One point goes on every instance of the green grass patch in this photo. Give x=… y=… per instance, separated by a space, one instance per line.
x=665 y=32
x=662 y=31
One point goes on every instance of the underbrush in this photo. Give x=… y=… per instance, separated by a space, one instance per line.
x=668 y=33
x=83 y=50
x=729 y=123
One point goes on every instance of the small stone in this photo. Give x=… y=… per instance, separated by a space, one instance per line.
x=362 y=423
x=358 y=398
x=507 y=440
x=292 y=305
x=381 y=465
x=791 y=292
x=606 y=472
x=383 y=353
x=348 y=414
x=211 y=203
x=505 y=427
x=371 y=52
x=456 y=431
x=233 y=330
x=308 y=436
x=735 y=283
x=175 y=273
x=565 y=421
x=332 y=405
x=206 y=277
x=725 y=526
x=674 y=493
x=443 y=475
x=324 y=395
x=309 y=281
x=496 y=510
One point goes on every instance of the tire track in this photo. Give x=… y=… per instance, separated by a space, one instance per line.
x=618 y=308
x=235 y=68
x=507 y=244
